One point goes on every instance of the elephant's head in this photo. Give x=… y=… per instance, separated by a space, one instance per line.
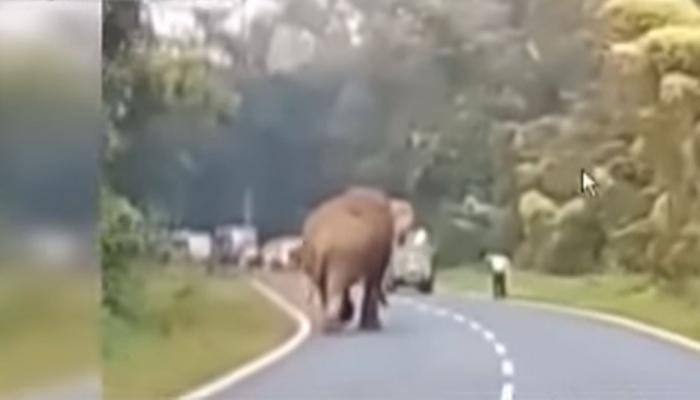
x=404 y=219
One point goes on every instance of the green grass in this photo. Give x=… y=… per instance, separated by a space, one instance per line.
x=48 y=329
x=187 y=339
x=626 y=295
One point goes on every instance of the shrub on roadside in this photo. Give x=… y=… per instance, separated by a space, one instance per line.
x=628 y=19
x=120 y=243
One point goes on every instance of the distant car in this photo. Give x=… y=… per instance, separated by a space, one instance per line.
x=277 y=252
x=250 y=257
x=233 y=239
x=197 y=246
x=412 y=263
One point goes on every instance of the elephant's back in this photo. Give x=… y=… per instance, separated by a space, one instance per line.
x=354 y=224
x=356 y=205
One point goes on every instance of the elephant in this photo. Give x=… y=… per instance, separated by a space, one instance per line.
x=345 y=240
x=404 y=219
x=401 y=209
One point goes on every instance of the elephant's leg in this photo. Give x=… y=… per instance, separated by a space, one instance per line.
x=332 y=322
x=313 y=295
x=347 y=309
x=369 y=319
x=382 y=277
x=336 y=303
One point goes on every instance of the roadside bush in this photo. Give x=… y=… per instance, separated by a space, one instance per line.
x=674 y=49
x=628 y=19
x=175 y=307
x=457 y=243
x=120 y=243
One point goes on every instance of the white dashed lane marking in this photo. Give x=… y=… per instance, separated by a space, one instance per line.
x=507 y=365
x=500 y=349
x=507 y=391
x=476 y=327
x=507 y=368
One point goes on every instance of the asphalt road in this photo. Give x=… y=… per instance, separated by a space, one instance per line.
x=438 y=347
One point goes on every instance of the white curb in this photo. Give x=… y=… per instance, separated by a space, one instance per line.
x=657 y=333
x=254 y=366
x=640 y=327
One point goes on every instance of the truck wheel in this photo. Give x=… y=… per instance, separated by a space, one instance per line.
x=390 y=286
x=426 y=287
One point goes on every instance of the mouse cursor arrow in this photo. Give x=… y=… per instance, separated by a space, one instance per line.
x=589 y=187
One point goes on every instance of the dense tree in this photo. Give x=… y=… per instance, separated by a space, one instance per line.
x=439 y=103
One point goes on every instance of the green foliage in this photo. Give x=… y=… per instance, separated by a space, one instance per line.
x=655 y=53
x=121 y=242
x=147 y=81
x=674 y=49
x=196 y=327
x=629 y=19
x=456 y=242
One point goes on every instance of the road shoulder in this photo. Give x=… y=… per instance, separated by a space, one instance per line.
x=616 y=320
x=231 y=378
x=528 y=291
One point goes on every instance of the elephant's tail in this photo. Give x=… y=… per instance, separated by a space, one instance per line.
x=322 y=279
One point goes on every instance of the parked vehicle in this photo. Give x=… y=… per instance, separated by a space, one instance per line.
x=233 y=239
x=250 y=257
x=193 y=245
x=412 y=263
x=276 y=253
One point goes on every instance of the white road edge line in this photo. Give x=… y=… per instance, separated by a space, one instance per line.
x=507 y=368
x=507 y=391
x=274 y=355
x=500 y=349
x=619 y=321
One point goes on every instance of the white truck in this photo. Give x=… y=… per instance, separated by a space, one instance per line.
x=412 y=263
x=232 y=240
x=196 y=246
x=277 y=252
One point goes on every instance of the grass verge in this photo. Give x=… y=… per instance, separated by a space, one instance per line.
x=47 y=327
x=624 y=295
x=195 y=329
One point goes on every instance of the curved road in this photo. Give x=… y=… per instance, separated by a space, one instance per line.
x=439 y=347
